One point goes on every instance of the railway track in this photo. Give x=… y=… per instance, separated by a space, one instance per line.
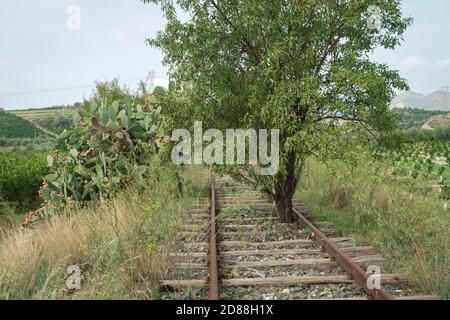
x=232 y=247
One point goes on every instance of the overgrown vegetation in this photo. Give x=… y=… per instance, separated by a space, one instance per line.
x=20 y=177
x=250 y=64
x=120 y=244
x=426 y=161
x=108 y=149
x=120 y=205
x=440 y=134
x=404 y=217
x=266 y=64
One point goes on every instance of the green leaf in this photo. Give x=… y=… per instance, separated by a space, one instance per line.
x=140 y=115
x=51 y=177
x=153 y=100
x=113 y=125
x=82 y=171
x=93 y=108
x=74 y=152
x=65 y=135
x=121 y=114
x=137 y=132
x=115 y=108
x=76 y=119
x=55 y=186
x=122 y=166
x=50 y=160
x=125 y=121
x=147 y=122
x=46 y=193
x=80 y=130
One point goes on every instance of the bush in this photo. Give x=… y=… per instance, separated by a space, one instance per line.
x=442 y=133
x=417 y=135
x=21 y=175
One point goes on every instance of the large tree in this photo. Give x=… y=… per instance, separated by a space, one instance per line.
x=301 y=66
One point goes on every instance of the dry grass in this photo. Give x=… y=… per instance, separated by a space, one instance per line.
x=405 y=221
x=121 y=246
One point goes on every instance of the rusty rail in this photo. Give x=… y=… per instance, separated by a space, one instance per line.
x=353 y=270
x=213 y=270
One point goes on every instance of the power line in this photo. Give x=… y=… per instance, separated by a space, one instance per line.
x=57 y=89
x=43 y=91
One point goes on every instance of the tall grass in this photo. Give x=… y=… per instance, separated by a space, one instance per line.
x=404 y=219
x=121 y=246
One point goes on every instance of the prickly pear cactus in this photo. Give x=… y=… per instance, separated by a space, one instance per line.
x=108 y=148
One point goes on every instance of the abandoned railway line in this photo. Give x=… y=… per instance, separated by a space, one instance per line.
x=231 y=246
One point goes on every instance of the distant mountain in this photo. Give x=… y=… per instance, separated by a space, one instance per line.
x=439 y=100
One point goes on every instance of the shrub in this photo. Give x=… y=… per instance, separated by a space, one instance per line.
x=20 y=176
x=442 y=133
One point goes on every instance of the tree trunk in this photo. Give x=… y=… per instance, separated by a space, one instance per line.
x=284 y=189
x=283 y=206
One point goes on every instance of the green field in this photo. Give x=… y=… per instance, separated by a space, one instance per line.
x=19 y=135
x=12 y=126
x=37 y=114
x=51 y=120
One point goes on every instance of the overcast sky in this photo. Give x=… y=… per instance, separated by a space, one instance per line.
x=39 y=51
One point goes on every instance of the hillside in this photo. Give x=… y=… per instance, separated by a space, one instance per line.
x=438 y=100
x=419 y=117
x=39 y=114
x=12 y=126
x=437 y=121
x=52 y=120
